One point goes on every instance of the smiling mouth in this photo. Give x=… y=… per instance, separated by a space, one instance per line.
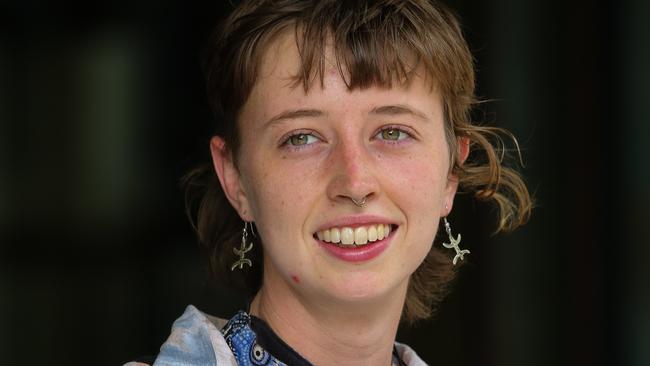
x=355 y=237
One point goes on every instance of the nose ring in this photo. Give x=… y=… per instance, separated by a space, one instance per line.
x=359 y=203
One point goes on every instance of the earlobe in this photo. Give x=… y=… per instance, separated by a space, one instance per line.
x=229 y=177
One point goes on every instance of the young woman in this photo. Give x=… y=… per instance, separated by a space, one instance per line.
x=342 y=136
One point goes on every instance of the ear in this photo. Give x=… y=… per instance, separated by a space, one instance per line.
x=229 y=177
x=452 y=182
x=463 y=149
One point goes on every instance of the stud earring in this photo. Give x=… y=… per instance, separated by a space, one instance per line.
x=243 y=249
x=453 y=243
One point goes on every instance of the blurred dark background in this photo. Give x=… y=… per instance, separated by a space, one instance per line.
x=102 y=110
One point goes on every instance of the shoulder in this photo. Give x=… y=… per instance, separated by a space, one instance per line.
x=195 y=339
x=408 y=355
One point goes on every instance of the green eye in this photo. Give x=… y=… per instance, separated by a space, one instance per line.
x=301 y=139
x=392 y=134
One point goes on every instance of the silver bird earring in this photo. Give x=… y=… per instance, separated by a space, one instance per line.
x=243 y=249
x=453 y=243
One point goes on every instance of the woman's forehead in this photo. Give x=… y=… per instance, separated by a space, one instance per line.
x=281 y=61
x=284 y=63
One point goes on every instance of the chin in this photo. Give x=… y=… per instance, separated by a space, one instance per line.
x=363 y=287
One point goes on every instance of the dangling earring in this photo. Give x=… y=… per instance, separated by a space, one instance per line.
x=243 y=249
x=454 y=243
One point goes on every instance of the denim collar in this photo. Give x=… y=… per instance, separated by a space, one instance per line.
x=198 y=339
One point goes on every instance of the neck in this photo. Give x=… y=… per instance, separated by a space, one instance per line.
x=330 y=332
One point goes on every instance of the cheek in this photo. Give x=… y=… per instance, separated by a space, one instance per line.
x=270 y=191
x=420 y=182
x=283 y=195
x=419 y=194
x=418 y=191
x=279 y=202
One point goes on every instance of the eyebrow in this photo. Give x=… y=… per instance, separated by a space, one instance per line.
x=294 y=114
x=395 y=110
x=390 y=110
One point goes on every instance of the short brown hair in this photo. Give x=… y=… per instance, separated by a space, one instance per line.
x=377 y=43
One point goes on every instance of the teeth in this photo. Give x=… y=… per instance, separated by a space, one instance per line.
x=335 y=235
x=372 y=233
x=347 y=236
x=380 y=232
x=357 y=236
x=360 y=235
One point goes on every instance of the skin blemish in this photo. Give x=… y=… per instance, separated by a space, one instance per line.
x=295 y=278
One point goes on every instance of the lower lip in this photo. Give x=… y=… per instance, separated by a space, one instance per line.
x=360 y=253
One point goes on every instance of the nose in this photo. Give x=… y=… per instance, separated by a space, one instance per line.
x=353 y=176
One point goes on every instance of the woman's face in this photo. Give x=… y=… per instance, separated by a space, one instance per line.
x=303 y=156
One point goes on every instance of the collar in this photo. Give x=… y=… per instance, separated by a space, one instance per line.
x=201 y=339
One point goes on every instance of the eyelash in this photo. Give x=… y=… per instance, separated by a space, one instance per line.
x=402 y=130
x=287 y=139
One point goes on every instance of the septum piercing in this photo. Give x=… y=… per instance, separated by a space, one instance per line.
x=360 y=203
